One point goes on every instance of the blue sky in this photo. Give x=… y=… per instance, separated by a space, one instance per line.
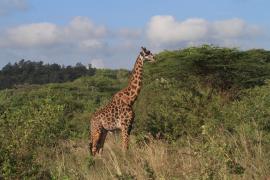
x=110 y=33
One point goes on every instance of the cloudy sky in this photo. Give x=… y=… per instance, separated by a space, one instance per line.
x=109 y=33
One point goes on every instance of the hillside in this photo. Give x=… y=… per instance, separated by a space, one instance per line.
x=203 y=111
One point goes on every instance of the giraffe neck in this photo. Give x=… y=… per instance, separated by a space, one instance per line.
x=135 y=82
x=131 y=92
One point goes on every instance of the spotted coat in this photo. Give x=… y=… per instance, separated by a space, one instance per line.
x=118 y=113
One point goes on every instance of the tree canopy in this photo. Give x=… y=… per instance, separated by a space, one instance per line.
x=30 y=72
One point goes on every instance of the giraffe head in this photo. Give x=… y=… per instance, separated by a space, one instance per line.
x=146 y=55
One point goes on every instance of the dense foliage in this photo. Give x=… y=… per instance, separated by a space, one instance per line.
x=212 y=102
x=185 y=86
x=28 y=72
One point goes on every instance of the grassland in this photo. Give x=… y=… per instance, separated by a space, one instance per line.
x=203 y=113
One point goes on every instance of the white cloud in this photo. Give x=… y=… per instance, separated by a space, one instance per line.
x=91 y=44
x=129 y=33
x=166 y=30
x=81 y=32
x=81 y=38
x=81 y=27
x=229 y=28
x=33 y=35
x=97 y=63
x=233 y=28
x=73 y=42
x=7 y=6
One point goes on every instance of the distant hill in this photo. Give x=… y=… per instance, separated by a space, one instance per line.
x=30 y=72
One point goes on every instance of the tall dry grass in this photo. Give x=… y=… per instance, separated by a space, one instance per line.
x=220 y=157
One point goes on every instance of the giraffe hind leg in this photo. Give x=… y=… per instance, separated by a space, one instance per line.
x=95 y=138
x=90 y=145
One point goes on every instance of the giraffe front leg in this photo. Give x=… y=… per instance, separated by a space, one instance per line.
x=125 y=139
x=126 y=126
x=95 y=138
x=125 y=136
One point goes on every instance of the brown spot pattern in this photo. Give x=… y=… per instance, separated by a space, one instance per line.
x=118 y=114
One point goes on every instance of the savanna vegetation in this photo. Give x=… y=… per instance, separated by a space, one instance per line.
x=203 y=113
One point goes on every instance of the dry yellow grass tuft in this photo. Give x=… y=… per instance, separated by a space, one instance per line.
x=155 y=160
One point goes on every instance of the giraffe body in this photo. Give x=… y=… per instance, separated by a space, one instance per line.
x=118 y=113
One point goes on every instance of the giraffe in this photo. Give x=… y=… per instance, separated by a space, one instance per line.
x=118 y=113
